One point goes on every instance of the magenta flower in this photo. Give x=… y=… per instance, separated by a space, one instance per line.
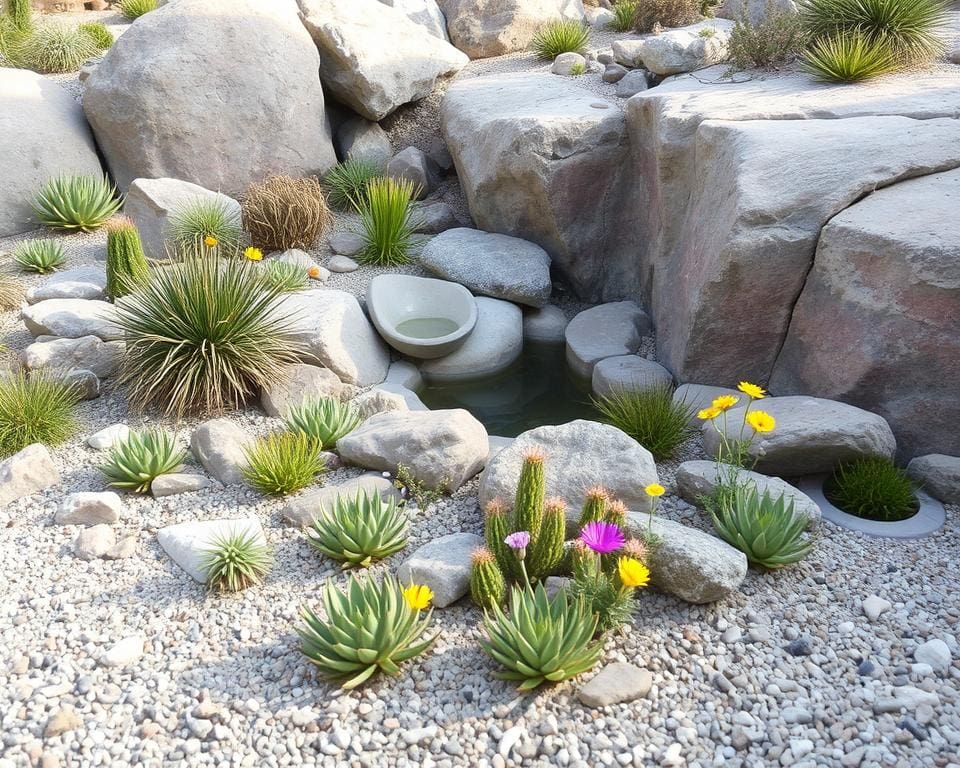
x=518 y=540
x=602 y=538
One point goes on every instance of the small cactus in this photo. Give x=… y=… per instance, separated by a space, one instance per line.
x=487 y=585
x=495 y=530
x=616 y=513
x=594 y=506
x=528 y=509
x=547 y=550
x=581 y=559
x=126 y=264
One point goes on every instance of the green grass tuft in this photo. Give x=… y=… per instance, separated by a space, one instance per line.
x=283 y=463
x=873 y=488
x=98 y=32
x=388 y=222
x=35 y=409
x=52 y=48
x=649 y=416
x=194 y=222
x=848 y=58
x=286 y=277
x=624 y=14
x=346 y=183
x=40 y=256
x=134 y=9
x=556 y=37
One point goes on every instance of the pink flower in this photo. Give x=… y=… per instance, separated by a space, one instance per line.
x=602 y=538
x=519 y=540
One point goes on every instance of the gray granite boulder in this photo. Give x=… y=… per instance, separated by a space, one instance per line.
x=86 y=282
x=27 y=472
x=219 y=446
x=90 y=353
x=496 y=27
x=443 y=565
x=434 y=217
x=416 y=166
x=72 y=318
x=302 y=382
x=628 y=373
x=608 y=330
x=686 y=48
x=360 y=139
x=546 y=325
x=700 y=396
x=302 y=509
x=939 y=476
x=426 y=13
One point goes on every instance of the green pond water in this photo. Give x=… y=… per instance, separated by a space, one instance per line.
x=427 y=327
x=538 y=389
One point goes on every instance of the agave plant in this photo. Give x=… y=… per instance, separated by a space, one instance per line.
x=370 y=627
x=235 y=561
x=134 y=463
x=40 y=256
x=359 y=530
x=770 y=532
x=323 y=420
x=542 y=639
x=76 y=202
x=556 y=37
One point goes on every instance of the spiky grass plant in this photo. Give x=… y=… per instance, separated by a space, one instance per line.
x=388 y=221
x=235 y=561
x=283 y=212
x=358 y=530
x=134 y=9
x=52 y=48
x=541 y=639
x=139 y=459
x=282 y=463
x=193 y=224
x=769 y=531
x=19 y=13
x=286 y=276
x=624 y=13
x=323 y=420
x=346 y=183
x=911 y=31
x=203 y=335
x=12 y=291
x=127 y=267
x=38 y=408
x=40 y=256
x=649 y=416
x=848 y=58
x=556 y=37
x=98 y=32
x=665 y=13
x=81 y=203
x=370 y=627
x=873 y=488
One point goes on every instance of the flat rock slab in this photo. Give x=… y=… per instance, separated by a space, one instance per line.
x=812 y=435
x=696 y=479
x=187 y=544
x=494 y=265
x=27 y=472
x=628 y=373
x=179 y=482
x=72 y=318
x=579 y=455
x=939 y=476
x=218 y=445
x=493 y=346
x=89 y=508
x=302 y=382
x=608 y=330
x=443 y=565
x=302 y=510
x=102 y=358
x=88 y=282
x=616 y=683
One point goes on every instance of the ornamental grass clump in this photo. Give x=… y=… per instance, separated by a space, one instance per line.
x=127 y=267
x=324 y=420
x=206 y=223
x=370 y=627
x=346 y=183
x=282 y=463
x=40 y=256
x=38 y=408
x=98 y=32
x=52 y=48
x=203 y=335
x=235 y=561
x=624 y=14
x=873 y=488
x=12 y=292
x=18 y=11
x=360 y=530
x=665 y=13
x=74 y=203
x=282 y=212
x=134 y=9
x=139 y=459
x=556 y=37
x=848 y=58
x=285 y=276
x=650 y=416
x=388 y=221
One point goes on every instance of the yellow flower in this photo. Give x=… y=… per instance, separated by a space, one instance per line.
x=655 y=489
x=254 y=254
x=755 y=392
x=725 y=402
x=418 y=596
x=761 y=421
x=314 y=272
x=709 y=413
x=632 y=572
x=210 y=241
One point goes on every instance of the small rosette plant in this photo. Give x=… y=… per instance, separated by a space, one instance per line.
x=357 y=531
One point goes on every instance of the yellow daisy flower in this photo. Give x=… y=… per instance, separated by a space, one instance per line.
x=632 y=572
x=725 y=402
x=655 y=489
x=752 y=390
x=418 y=596
x=254 y=254
x=707 y=414
x=210 y=241
x=761 y=421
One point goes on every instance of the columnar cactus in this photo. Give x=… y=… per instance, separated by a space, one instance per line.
x=616 y=513
x=528 y=507
x=487 y=585
x=594 y=506
x=126 y=264
x=546 y=553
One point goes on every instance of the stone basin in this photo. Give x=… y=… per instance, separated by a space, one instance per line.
x=421 y=316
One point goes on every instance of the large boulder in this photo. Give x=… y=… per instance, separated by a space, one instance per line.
x=149 y=203
x=578 y=455
x=938 y=475
x=426 y=13
x=483 y=28
x=215 y=92
x=72 y=319
x=87 y=353
x=811 y=435
x=27 y=472
x=542 y=159
x=682 y=50
x=443 y=565
x=337 y=335
x=878 y=321
x=42 y=135
x=374 y=58
x=86 y=282
x=302 y=509
x=490 y=264
x=442 y=449
x=609 y=330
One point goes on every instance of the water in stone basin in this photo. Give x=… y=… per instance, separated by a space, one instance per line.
x=538 y=389
x=427 y=327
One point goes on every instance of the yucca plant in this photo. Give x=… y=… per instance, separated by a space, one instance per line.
x=357 y=531
x=235 y=561
x=11 y=292
x=873 y=488
x=624 y=14
x=848 y=58
x=285 y=276
x=98 y=32
x=324 y=420
x=283 y=212
x=40 y=256
x=135 y=462
x=134 y=9
x=38 y=408
x=649 y=416
x=770 y=532
x=203 y=335
x=76 y=202
x=370 y=627
x=388 y=221
x=193 y=224
x=346 y=183
x=52 y=48
x=127 y=266
x=541 y=639
x=282 y=463
x=556 y=37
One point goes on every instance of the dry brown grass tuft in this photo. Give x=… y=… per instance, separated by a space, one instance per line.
x=283 y=212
